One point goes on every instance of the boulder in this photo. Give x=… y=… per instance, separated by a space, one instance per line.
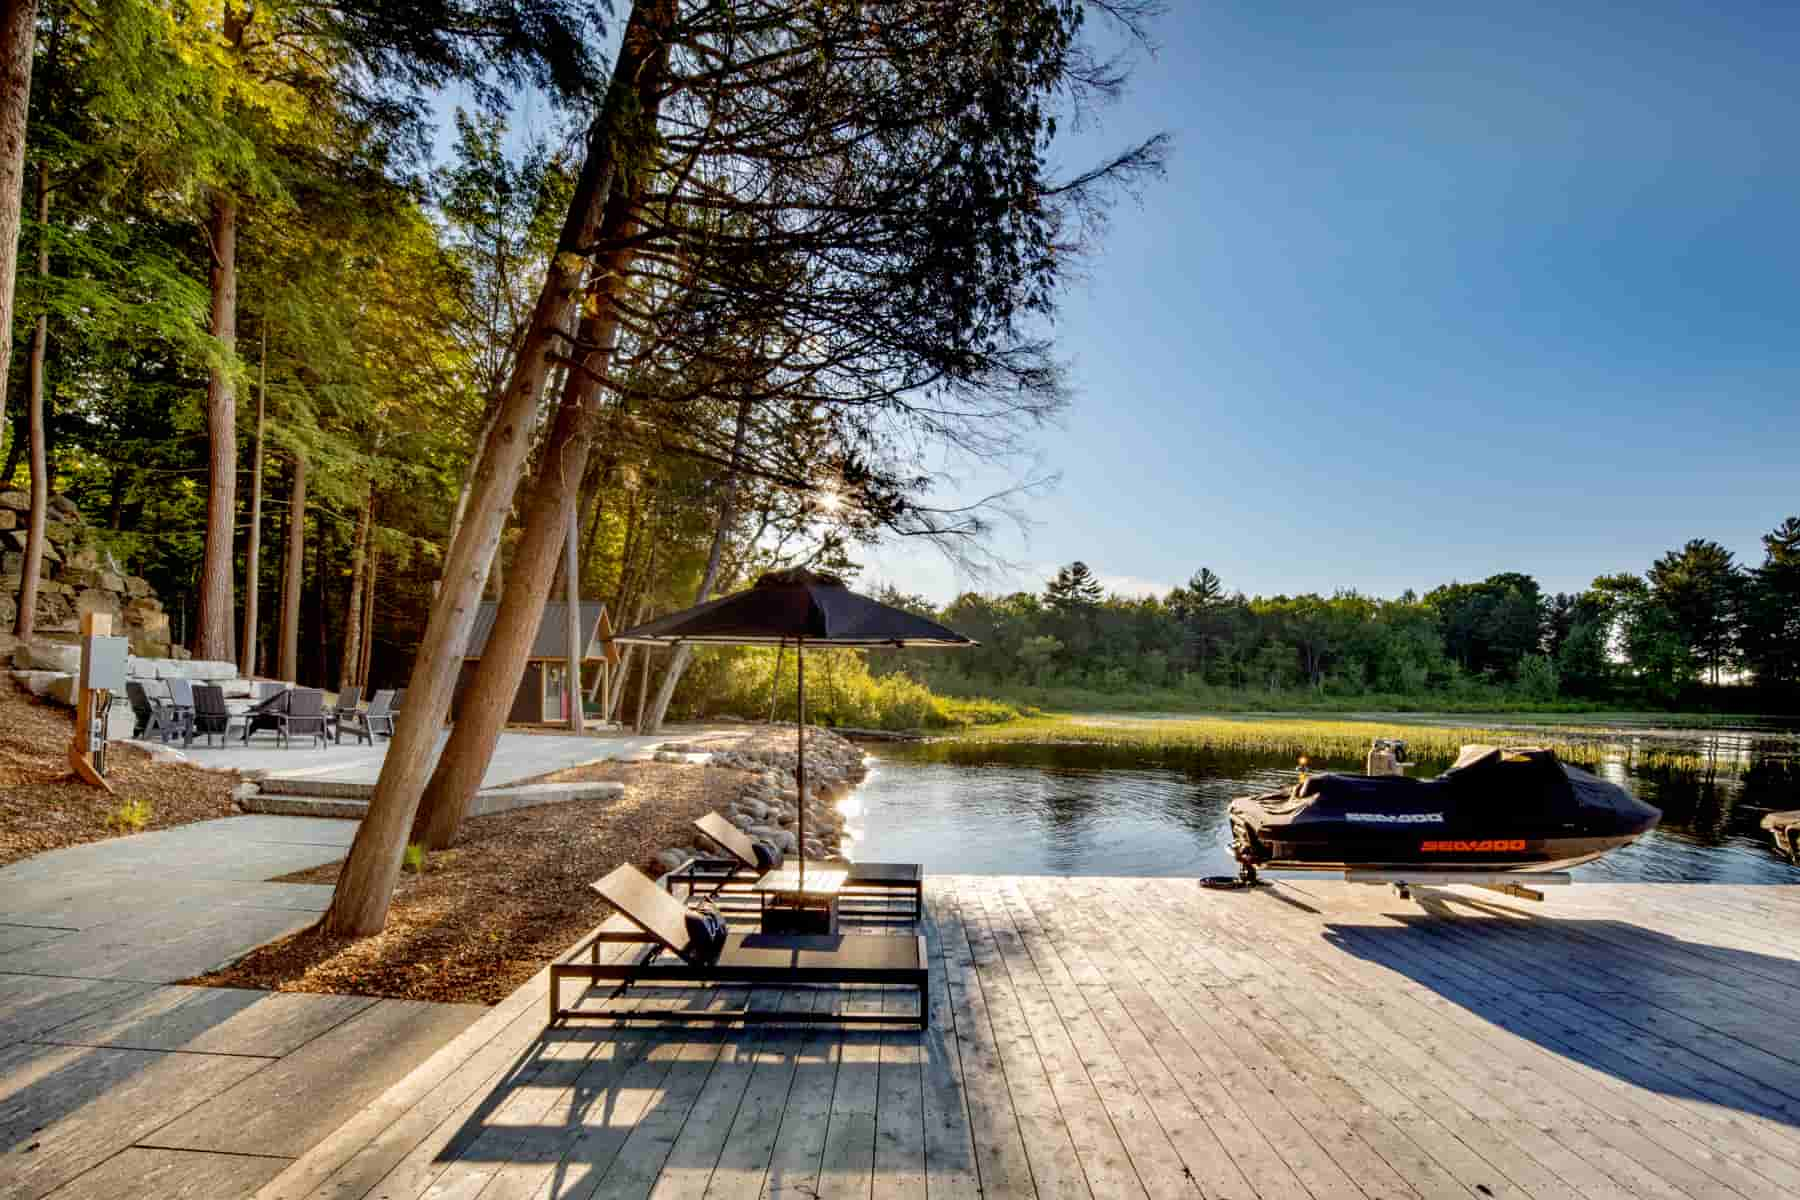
x=64 y=508
x=38 y=682
x=85 y=558
x=55 y=656
x=198 y=668
x=16 y=501
x=8 y=519
x=136 y=587
x=237 y=689
x=62 y=690
x=90 y=600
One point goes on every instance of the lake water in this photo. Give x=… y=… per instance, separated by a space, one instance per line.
x=1089 y=810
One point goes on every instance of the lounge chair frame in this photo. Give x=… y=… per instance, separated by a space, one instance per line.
x=364 y=724
x=156 y=717
x=212 y=717
x=866 y=882
x=309 y=722
x=658 y=926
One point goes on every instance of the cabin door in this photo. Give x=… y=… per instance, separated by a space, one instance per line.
x=556 y=692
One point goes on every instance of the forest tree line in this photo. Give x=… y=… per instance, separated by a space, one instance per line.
x=1696 y=626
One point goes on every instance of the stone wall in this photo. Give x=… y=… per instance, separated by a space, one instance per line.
x=47 y=669
x=78 y=577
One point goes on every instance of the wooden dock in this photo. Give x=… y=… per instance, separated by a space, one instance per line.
x=1147 y=1038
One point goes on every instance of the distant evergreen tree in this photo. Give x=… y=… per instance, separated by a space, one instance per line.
x=1701 y=587
x=1771 y=632
x=1073 y=590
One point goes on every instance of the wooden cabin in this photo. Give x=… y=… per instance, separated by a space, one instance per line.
x=543 y=695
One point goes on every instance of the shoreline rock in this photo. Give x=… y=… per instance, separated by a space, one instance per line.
x=767 y=803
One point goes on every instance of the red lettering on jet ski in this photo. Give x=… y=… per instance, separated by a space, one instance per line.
x=1482 y=847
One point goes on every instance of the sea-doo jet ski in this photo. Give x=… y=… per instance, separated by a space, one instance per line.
x=1496 y=810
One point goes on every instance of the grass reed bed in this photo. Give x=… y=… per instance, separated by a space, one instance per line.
x=1340 y=743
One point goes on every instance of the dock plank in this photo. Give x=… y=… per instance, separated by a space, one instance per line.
x=1101 y=1037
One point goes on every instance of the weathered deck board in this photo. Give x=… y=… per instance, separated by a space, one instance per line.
x=1145 y=1037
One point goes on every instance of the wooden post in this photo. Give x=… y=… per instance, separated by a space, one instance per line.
x=81 y=760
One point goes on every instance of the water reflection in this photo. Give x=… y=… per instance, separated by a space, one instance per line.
x=1100 y=810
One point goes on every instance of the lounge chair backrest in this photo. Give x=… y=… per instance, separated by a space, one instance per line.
x=645 y=905
x=399 y=699
x=271 y=698
x=209 y=701
x=306 y=702
x=348 y=699
x=382 y=704
x=140 y=699
x=728 y=837
x=181 y=691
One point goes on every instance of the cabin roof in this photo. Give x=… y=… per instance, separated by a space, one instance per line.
x=552 y=639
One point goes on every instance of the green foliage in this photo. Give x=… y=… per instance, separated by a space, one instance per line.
x=840 y=692
x=413 y=860
x=131 y=816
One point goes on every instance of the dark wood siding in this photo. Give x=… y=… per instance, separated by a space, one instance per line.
x=528 y=704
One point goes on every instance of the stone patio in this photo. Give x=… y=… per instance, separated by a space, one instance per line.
x=114 y=1080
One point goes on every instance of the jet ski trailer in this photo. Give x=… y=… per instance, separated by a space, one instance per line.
x=1499 y=818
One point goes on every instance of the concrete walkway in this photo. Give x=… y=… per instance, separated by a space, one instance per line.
x=116 y=1082
x=516 y=756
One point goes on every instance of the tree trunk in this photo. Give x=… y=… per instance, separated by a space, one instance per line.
x=292 y=576
x=26 y=625
x=551 y=504
x=247 y=664
x=18 y=33
x=365 y=886
x=368 y=616
x=213 y=634
x=468 y=480
x=353 y=614
x=678 y=661
x=321 y=608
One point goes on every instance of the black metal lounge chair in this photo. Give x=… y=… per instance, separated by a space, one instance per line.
x=304 y=717
x=366 y=724
x=266 y=715
x=211 y=716
x=867 y=881
x=156 y=718
x=657 y=921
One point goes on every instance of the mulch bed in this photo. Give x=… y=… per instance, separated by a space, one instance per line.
x=488 y=913
x=44 y=807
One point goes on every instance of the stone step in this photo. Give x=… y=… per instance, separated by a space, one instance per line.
x=285 y=805
x=293 y=800
x=300 y=785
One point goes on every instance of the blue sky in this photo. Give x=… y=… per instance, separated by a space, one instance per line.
x=1431 y=292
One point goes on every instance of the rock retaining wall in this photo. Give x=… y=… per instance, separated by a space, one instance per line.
x=48 y=669
x=78 y=577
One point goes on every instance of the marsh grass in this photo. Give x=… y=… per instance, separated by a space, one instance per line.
x=1339 y=743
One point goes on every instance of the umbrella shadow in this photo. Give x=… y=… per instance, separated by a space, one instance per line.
x=1690 y=1020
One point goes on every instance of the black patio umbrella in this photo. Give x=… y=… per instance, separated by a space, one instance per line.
x=794 y=608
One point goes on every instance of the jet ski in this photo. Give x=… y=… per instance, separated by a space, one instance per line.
x=1496 y=810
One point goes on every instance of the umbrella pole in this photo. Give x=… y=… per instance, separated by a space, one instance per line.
x=800 y=753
